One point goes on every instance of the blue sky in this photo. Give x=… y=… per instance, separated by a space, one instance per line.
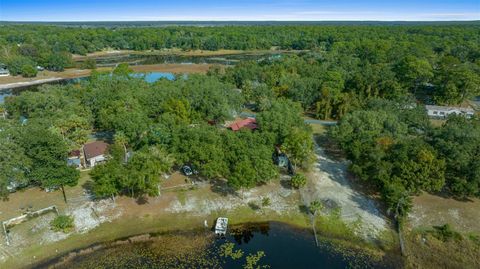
x=123 y=10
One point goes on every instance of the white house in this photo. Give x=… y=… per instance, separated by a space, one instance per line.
x=4 y=72
x=95 y=152
x=445 y=111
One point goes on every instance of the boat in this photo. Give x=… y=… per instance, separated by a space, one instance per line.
x=221 y=226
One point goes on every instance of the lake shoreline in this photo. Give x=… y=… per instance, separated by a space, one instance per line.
x=81 y=252
x=7 y=83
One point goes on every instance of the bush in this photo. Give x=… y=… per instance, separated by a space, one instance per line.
x=298 y=180
x=89 y=64
x=62 y=223
x=16 y=64
x=446 y=233
x=29 y=71
x=266 y=201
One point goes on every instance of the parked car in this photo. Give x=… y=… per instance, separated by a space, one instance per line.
x=189 y=170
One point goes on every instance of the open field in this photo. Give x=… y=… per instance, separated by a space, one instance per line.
x=429 y=210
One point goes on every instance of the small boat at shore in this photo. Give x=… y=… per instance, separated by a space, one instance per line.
x=221 y=226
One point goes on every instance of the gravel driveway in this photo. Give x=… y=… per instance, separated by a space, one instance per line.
x=328 y=183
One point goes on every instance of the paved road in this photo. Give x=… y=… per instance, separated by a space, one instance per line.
x=322 y=122
x=309 y=121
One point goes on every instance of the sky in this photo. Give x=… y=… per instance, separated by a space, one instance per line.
x=239 y=10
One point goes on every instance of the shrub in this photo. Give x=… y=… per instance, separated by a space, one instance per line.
x=266 y=201
x=89 y=64
x=299 y=180
x=446 y=233
x=29 y=71
x=62 y=223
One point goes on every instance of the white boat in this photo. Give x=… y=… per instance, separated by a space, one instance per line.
x=221 y=226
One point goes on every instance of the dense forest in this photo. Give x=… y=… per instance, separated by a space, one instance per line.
x=373 y=79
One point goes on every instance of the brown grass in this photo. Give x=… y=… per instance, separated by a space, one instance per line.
x=462 y=215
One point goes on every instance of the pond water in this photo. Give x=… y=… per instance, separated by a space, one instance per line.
x=149 y=77
x=283 y=246
x=228 y=59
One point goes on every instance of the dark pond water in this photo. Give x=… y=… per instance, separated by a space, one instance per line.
x=283 y=246
x=139 y=59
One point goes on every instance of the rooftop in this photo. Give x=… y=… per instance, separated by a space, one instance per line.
x=95 y=149
x=249 y=123
x=449 y=108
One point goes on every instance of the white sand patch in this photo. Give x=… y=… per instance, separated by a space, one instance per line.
x=278 y=202
x=91 y=214
x=328 y=183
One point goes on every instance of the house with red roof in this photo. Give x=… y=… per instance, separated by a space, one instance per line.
x=95 y=152
x=250 y=123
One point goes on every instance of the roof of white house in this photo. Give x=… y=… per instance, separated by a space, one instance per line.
x=449 y=108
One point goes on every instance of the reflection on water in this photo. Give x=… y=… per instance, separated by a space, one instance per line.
x=229 y=59
x=283 y=245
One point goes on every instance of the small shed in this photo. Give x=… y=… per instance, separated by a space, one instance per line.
x=74 y=158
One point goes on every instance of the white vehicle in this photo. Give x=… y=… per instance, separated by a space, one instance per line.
x=221 y=226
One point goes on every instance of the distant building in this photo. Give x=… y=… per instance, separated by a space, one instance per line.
x=4 y=71
x=250 y=123
x=95 y=153
x=445 y=111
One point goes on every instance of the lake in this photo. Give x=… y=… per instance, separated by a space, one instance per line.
x=143 y=59
x=149 y=77
x=284 y=247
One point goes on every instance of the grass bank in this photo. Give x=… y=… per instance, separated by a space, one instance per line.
x=148 y=223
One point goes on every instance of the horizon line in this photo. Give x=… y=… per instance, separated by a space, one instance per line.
x=259 y=20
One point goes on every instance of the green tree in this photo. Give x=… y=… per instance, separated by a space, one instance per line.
x=89 y=63
x=298 y=180
x=122 y=70
x=144 y=171
x=29 y=71
x=315 y=206
x=62 y=223
x=298 y=144
x=48 y=153
x=58 y=61
x=413 y=72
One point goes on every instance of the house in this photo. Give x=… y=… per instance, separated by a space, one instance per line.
x=74 y=158
x=250 y=123
x=4 y=71
x=95 y=152
x=445 y=111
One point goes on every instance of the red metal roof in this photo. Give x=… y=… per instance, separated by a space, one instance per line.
x=94 y=149
x=249 y=123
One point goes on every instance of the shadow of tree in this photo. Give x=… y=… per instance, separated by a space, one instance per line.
x=141 y=200
x=221 y=187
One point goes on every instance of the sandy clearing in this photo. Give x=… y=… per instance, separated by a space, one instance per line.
x=328 y=183
x=429 y=210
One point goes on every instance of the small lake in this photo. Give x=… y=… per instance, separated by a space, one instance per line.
x=284 y=247
x=227 y=59
x=149 y=77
